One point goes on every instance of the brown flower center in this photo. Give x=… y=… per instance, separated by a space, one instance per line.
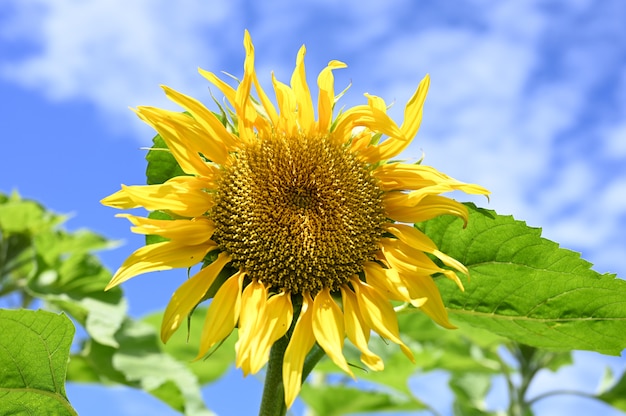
x=298 y=213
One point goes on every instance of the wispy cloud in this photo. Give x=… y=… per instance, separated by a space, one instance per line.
x=115 y=53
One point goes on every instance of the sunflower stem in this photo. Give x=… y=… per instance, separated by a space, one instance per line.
x=273 y=401
x=311 y=360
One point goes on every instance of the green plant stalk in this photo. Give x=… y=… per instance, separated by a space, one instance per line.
x=273 y=400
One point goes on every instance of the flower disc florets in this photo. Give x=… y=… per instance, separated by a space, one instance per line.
x=298 y=213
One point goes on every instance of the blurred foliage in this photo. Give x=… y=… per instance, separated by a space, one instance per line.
x=42 y=265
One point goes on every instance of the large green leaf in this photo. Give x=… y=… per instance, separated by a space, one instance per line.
x=526 y=288
x=35 y=348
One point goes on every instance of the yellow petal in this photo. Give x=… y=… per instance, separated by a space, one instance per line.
x=174 y=128
x=399 y=138
x=212 y=125
x=350 y=119
x=412 y=120
x=403 y=257
x=182 y=195
x=415 y=270
x=190 y=232
x=287 y=105
x=414 y=197
x=412 y=236
x=451 y=262
x=228 y=91
x=414 y=109
x=377 y=121
x=222 y=314
x=189 y=294
x=246 y=114
x=378 y=314
x=360 y=144
x=211 y=147
x=357 y=331
x=326 y=97
x=418 y=240
x=376 y=102
x=398 y=207
x=253 y=304
x=328 y=328
x=275 y=322
x=380 y=122
x=386 y=281
x=402 y=176
x=160 y=256
x=301 y=342
x=120 y=199
x=265 y=101
x=424 y=286
x=300 y=88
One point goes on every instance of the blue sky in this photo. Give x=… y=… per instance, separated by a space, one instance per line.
x=527 y=98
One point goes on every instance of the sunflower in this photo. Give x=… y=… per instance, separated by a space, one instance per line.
x=307 y=218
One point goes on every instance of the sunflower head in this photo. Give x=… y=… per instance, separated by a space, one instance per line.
x=304 y=210
x=298 y=213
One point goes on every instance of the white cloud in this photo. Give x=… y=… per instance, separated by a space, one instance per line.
x=614 y=141
x=475 y=122
x=116 y=53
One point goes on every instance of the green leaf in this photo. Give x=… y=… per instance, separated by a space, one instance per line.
x=161 y=163
x=184 y=347
x=35 y=349
x=471 y=389
x=397 y=369
x=331 y=400
x=52 y=244
x=75 y=284
x=41 y=261
x=462 y=350
x=19 y=215
x=140 y=362
x=94 y=364
x=434 y=348
x=616 y=395
x=526 y=288
x=20 y=221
